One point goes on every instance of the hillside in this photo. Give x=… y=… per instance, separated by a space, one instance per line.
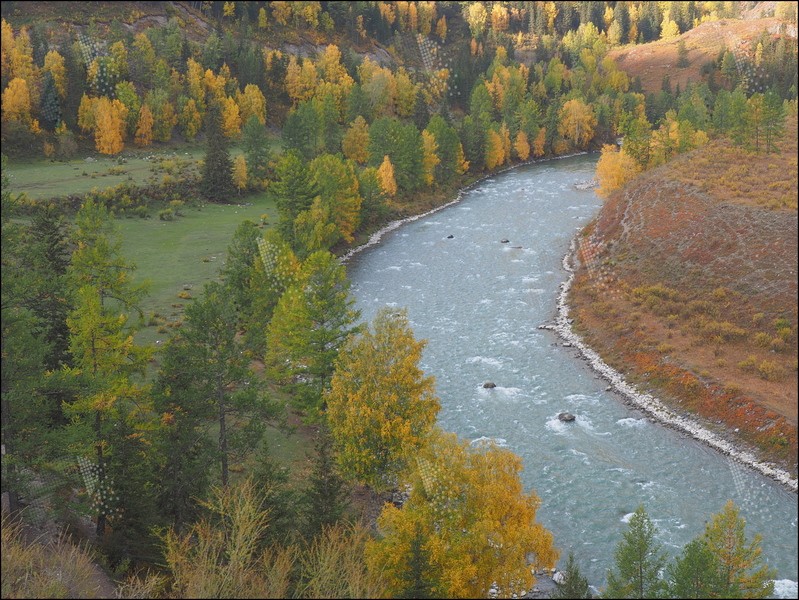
x=651 y=62
x=688 y=283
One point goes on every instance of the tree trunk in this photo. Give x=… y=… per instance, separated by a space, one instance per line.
x=222 y=434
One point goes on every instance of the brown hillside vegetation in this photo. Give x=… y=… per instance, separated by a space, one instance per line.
x=651 y=62
x=688 y=283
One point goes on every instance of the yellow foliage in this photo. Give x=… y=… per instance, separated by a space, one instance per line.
x=252 y=103
x=441 y=28
x=614 y=169
x=240 y=172
x=476 y=524
x=195 y=80
x=109 y=119
x=522 y=146
x=54 y=64
x=380 y=404
x=85 y=113
x=494 y=153
x=461 y=164
x=385 y=176
x=430 y=158
x=144 y=128
x=231 y=119
x=355 y=143
x=190 y=120
x=539 y=142
x=17 y=102
x=577 y=122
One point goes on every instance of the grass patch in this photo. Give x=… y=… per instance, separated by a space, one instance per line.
x=189 y=250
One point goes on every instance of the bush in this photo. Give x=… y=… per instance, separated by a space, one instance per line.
x=184 y=295
x=770 y=370
x=762 y=340
x=749 y=364
x=166 y=214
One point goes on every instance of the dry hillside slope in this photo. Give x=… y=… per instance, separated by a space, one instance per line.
x=651 y=62
x=688 y=283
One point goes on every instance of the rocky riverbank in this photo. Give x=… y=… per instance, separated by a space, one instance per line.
x=646 y=402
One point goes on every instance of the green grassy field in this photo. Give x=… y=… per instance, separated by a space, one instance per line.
x=188 y=251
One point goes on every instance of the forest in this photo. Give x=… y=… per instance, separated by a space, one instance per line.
x=269 y=443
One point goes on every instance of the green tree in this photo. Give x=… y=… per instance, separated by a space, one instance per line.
x=273 y=271
x=638 y=561
x=402 y=143
x=217 y=174
x=741 y=567
x=337 y=185
x=773 y=120
x=220 y=375
x=695 y=573
x=419 y=576
x=311 y=322
x=241 y=255
x=255 y=143
x=101 y=342
x=574 y=584
x=324 y=501
x=293 y=191
x=381 y=407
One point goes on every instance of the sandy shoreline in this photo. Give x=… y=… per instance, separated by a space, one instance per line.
x=646 y=402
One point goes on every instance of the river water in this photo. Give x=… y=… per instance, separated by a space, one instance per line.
x=478 y=303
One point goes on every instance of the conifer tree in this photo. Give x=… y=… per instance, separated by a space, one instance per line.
x=638 y=561
x=324 y=500
x=311 y=322
x=574 y=584
x=217 y=179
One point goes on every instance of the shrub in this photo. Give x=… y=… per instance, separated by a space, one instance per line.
x=166 y=214
x=184 y=295
x=762 y=340
x=770 y=370
x=749 y=364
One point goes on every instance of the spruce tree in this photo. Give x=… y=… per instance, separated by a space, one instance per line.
x=324 y=500
x=639 y=560
x=217 y=178
x=574 y=584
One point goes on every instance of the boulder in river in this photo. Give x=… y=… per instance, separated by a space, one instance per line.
x=450 y=236
x=489 y=385
x=504 y=241
x=566 y=417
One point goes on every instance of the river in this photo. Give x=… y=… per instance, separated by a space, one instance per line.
x=478 y=302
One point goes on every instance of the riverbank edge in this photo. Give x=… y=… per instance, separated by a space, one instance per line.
x=375 y=238
x=650 y=405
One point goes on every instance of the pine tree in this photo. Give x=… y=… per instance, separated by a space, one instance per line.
x=217 y=179
x=695 y=573
x=311 y=322
x=293 y=191
x=418 y=577
x=638 y=561
x=741 y=567
x=255 y=143
x=324 y=500
x=574 y=584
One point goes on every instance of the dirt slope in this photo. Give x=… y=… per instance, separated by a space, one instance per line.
x=651 y=62
x=688 y=282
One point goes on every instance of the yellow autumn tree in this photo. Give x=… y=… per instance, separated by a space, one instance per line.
x=469 y=513
x=301 y=79
x=521 y=146
x=229 y=9
x=144 y=127
x=504 y=134
x=240 y=172
x=380 y=406
x=441 y=28
x=385 y=176
x=461 y=164
x=577 y=122
x=86 y=113
x=539 y=143
x=281 y=11
x=252 y=103
x=231 y=119
x=190 y=119
x=429 y=158
x=17 y=102
x=195 y=81
x=6 y=49
x=109 y=119
x=355 y=143
x=405 y=93
x=494 y=153
x=54 y=64
x=614 y=169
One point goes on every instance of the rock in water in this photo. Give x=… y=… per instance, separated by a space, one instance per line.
x=489 y=385
x=566 y=417
x=450 y=236
x=504 y=241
